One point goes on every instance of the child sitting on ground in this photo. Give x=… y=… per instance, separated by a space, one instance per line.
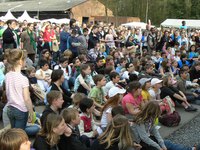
x=14 y=139
x=43 y=75
x=87 y=126
x=76 y=99
x=96 y=92
x=55 y=101
x=75 y=141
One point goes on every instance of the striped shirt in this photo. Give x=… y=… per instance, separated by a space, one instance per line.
x=15 y=82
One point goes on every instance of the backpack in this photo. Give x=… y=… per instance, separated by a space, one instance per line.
x=170 y=120
x=167 y=105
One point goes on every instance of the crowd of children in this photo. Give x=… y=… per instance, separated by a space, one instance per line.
x=103 y=89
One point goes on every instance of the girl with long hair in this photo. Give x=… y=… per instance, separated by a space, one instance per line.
x=146 y=133
x=115 y=96
x=117 y=136
x=57 y=79
x=48 y=137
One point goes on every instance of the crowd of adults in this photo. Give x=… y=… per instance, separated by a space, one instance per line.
x=103 y=85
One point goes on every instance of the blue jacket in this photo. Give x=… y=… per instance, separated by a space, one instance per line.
x=63 y=40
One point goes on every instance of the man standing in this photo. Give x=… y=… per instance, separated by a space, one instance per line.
x=28 y=41
x=83 y=39
x=8 y=36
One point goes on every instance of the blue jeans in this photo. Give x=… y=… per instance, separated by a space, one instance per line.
x=32 y=130
x=18 y=119
x=67 y=83
x=172 y=146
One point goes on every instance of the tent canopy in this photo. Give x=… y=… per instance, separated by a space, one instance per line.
x=141 y=25
x=58 y=21
x=176 y=23
x=8 y=16
x=25 y=16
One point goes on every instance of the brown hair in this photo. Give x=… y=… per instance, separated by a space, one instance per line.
x=98 y=78
x=30 y=69
x=53 y=121
x=12 y=139
x=53 y=95
x=77 y=98
x=112 y=101
x=69 y=114
x=150 y=111
x=118 y=130
x=165 y=79
x=13 y=56
x=67 y=53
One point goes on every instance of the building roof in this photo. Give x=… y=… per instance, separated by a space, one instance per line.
x=41 y=5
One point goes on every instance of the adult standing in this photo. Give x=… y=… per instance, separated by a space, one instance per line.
x=152 y=40
x=17 y=90
x=48 y=36
x=64 y=35
x=93 y=37
x=28 y=41
x=8 y=36
x=83 y=39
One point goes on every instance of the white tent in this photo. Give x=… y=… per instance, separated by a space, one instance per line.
x=58 y=21
x=176 y=23
x=8 y=16
x=141 y=25
x=25 y=16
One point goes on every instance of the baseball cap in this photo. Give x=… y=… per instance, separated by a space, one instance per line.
x=116 y=90
x=144 y=80
x=155 y=81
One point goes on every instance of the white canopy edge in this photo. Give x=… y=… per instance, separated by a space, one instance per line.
x=176 y=23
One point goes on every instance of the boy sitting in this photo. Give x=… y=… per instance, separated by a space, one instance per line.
x=55 y=100
x=75 y=141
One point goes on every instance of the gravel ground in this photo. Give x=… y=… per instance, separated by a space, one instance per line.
x=187 y=135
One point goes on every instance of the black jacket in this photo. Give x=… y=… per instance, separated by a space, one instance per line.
x=45 y=113
x=8 y=37
x=72 y=142
x=97 y=146
x=66 y=95
x=40 y=143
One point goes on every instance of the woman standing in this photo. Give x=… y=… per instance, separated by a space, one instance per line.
x=28 y=41
x=17 y=90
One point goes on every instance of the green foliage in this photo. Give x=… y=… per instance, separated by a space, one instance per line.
x=158 y=11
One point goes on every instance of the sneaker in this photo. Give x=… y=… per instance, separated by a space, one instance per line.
x=190 y=108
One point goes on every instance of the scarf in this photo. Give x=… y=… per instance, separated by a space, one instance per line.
x=32 y=40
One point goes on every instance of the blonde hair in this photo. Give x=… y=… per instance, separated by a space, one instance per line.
x=151 y=110
x=30 y=69
x=118 y=130
x=12 y=139
x=77 y=98
x=67 y=53
x=53 y=121
x=13 y=56
x=69 y=114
